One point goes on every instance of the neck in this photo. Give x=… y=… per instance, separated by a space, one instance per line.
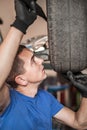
x=29 y=90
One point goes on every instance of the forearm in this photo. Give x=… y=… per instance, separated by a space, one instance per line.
x=81 y=114
x=8 y=51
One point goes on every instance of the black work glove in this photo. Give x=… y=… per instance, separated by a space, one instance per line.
x=79 y=81
x=29 y=3
x=39 y=10
x=25 y=15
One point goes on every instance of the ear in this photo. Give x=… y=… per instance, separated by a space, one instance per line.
x=20 y=79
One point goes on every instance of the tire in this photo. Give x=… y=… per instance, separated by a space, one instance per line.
x=67 y=34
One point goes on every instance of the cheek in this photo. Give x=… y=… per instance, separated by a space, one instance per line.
x=35 y=75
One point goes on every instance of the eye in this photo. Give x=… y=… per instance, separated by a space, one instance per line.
x=33 y=59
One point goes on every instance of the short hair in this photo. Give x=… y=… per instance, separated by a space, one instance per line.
x=17 y=68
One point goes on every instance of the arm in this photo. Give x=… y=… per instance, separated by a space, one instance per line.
x=77 y=119
x=8 y=49
x=24 y=17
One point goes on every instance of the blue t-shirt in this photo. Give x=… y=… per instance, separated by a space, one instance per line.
x=26 y=113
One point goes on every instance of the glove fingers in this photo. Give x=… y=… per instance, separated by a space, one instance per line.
x=33 y=6
x=82 y=82
x=70 y=75
x=19 y=6
x=40 y=12
x=81 y=76
x=77 y=84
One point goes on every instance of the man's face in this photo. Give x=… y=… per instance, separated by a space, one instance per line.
x=33 y=66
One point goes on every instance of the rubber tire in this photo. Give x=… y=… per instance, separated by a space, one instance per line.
x=67 y=34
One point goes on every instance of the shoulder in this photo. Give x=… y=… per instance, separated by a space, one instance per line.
x=49 y=99
x=43 y=92
x=45 y=95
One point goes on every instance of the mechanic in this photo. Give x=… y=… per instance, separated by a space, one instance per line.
x=24 y=106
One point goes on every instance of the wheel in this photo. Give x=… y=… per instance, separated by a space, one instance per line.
x=67 y=34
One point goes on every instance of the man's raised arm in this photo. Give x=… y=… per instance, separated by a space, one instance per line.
x=24 y=17
x=77 y=120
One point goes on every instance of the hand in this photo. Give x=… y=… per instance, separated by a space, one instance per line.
x=31 y=4
x=36 y=8
x=25 y=15
x=79 y=81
